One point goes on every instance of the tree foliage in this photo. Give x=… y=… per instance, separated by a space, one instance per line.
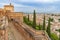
x=28 y=17
x=34 y=20
x=43 y=23
x=48 y=28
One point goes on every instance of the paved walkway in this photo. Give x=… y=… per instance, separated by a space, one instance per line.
x=9 y=32
x=13 y=33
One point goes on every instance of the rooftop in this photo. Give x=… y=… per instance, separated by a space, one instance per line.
x=10 y=5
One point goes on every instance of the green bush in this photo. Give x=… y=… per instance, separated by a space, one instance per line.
x=54 y=36
x=51 y=19
x=27 y=21
x=39 y=27
x=59 y=20
x=30 y=23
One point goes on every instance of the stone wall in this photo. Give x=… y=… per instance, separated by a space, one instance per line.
x=15 y=15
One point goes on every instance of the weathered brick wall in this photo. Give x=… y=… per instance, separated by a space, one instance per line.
x=15 y=15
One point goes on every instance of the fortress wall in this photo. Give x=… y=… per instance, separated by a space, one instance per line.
x=16 y=15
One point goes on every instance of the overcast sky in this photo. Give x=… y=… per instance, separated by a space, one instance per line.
x=30 y=5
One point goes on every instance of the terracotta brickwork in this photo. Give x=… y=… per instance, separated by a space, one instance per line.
x=8 y=10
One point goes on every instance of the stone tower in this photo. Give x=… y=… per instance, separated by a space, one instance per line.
x=9 y=8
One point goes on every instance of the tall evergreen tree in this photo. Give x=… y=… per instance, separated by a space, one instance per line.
x=48 y=28
x=43 y=28
x=34 y=20
x=28 y=17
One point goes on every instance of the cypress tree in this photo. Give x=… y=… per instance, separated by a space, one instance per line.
x=28 y=17
x=48 y=28
x=43 y=28
x=34 y=20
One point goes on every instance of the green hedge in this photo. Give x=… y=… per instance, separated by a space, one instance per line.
x=30 y=23
x=26 y=21
x=54 y=36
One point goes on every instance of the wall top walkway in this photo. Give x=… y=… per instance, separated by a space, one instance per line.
x=37 y=34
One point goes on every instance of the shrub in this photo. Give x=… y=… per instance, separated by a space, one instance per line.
x=54 y=36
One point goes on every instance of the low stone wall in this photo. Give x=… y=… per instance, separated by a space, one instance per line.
x=34 y=34
x=23 y=32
